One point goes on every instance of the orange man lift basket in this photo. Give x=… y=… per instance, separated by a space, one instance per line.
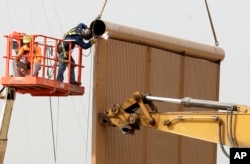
x=45 y=84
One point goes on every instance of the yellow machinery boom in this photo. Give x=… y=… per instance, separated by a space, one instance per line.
x=228 y=124
x=8 y=94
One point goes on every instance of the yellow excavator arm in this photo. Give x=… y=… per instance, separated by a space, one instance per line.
x=228 y=124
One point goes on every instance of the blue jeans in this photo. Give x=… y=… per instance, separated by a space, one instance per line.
x=62 y=67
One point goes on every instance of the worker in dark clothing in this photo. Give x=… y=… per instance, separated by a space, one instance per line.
x=80 y=35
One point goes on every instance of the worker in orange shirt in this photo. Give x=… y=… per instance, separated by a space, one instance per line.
x=21 y=64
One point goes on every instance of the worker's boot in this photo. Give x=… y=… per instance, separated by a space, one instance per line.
x=75 y=83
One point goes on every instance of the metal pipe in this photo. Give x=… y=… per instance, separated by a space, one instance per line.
x=189 y=102
x=163 y=99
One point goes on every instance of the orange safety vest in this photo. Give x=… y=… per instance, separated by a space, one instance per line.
x=24 y=52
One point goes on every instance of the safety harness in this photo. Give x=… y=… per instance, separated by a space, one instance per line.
x=73 y=31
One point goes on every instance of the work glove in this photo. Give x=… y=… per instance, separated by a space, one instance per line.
x=93 y=41
x=17 y=58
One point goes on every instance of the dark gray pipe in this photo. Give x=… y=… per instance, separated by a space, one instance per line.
x=98 y=27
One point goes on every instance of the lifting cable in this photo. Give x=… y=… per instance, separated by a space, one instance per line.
x=102 y=9
x=52 y=128
x=49 y=53
x=212 y=26
x=57 y=128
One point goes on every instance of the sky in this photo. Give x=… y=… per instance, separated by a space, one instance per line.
x=30 y=134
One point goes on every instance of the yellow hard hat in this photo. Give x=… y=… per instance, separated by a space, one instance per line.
x=26 y=39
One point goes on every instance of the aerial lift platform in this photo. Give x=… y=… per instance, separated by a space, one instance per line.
x=45 y=84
